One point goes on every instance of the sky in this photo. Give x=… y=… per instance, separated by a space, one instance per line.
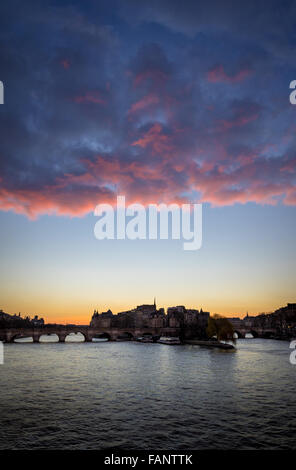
x=162 y=102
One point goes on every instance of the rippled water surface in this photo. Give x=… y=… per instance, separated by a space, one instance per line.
x=147 y=396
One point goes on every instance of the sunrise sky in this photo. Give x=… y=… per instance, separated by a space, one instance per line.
x=160 y=101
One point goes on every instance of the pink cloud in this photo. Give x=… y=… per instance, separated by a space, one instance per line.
x=149 y=182
x=157 y=76
x=289 y=167
x=143 y=103
x=156 y=139
x=238 y=121
x=160 y=158
x=65 y=63
x=90 y=97
x=217 y=74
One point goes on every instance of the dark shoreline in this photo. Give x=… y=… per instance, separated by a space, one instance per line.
x=209 y=344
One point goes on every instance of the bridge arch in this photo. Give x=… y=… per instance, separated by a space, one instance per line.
x=251 y=332
x=101 y=336
x=27 y=337
x=73 y=335
x=125 y=336
x=268 y=334
x=238 y=334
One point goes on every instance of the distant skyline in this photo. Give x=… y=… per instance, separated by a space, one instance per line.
x=160 y=102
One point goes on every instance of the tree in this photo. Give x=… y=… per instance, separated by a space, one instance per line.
x=221 y=328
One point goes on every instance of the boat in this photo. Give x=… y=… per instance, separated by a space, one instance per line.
x=145 y=339
x=169 y=340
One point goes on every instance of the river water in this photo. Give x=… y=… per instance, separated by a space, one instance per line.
x=125 y=395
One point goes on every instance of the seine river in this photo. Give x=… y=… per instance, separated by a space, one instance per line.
x=125 y=395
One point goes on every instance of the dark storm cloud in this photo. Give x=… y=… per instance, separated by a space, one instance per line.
x=152 y=100
x=269 y=24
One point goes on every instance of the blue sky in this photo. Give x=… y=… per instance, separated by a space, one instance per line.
x=57 y=268
x=161 y=102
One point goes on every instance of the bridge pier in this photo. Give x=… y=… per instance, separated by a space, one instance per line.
x=8 y=337
x=36 y=338
x=87 y=337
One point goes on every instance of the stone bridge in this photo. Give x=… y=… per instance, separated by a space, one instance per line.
x=256 y=332
x=8 y=335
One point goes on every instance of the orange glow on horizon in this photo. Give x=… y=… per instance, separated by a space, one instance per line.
x=82 y=316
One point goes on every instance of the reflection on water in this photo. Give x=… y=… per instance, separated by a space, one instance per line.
x=131 y=395
x=27 y=339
